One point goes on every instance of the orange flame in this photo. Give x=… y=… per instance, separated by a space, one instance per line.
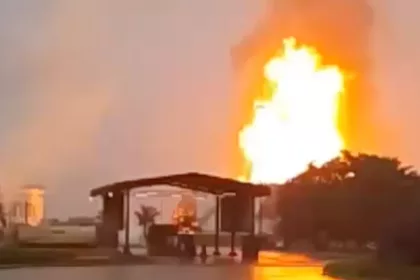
x=186 y=207
x=296 y=122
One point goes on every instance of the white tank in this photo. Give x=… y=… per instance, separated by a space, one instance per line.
x=28 y=208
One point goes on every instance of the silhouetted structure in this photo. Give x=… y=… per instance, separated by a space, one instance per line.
x=237 y=214
x=113 y=201
x=112 y=219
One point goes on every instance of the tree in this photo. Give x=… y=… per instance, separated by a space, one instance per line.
x=146 y=216
x=351 y=197
x=381 y=185
x=400 y=239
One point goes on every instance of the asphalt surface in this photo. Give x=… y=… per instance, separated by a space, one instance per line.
x=271 y=266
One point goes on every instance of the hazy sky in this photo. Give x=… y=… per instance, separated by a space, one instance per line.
x=94 y=91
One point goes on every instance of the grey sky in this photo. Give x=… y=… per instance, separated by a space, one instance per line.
x=94 y=91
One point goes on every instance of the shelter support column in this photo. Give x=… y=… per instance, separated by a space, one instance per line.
x=217 y=227
x=112 y=219
x=232 y=252
x=252 y=229
x=127 y=223
x=260 y=215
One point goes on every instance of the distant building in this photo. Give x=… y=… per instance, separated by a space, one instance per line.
x=28 y=208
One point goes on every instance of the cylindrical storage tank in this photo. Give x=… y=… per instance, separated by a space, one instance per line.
x=33 y=204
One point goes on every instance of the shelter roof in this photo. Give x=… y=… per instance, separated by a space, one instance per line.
x=191 y=181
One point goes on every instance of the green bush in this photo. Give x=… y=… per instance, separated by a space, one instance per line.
x=400 y=241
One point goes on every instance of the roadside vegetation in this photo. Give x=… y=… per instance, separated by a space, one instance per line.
x=367 y=201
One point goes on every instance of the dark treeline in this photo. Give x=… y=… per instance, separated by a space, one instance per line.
x=355 y=197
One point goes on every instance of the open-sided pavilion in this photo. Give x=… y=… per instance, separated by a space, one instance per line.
x=115 y=193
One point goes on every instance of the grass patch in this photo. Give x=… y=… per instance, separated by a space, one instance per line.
x=368 y=268
x=15 y=255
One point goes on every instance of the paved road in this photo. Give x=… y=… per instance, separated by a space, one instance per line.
x=273 y=266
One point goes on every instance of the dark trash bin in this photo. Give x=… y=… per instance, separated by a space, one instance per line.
x=160 y=240
x=251 y=246
x=187 y=244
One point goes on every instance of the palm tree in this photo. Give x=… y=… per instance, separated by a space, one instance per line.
x=146 y=216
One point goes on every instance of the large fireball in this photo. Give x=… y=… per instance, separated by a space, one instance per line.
x=295 y=120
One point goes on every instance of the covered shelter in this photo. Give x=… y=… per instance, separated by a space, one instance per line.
x=116 y=198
